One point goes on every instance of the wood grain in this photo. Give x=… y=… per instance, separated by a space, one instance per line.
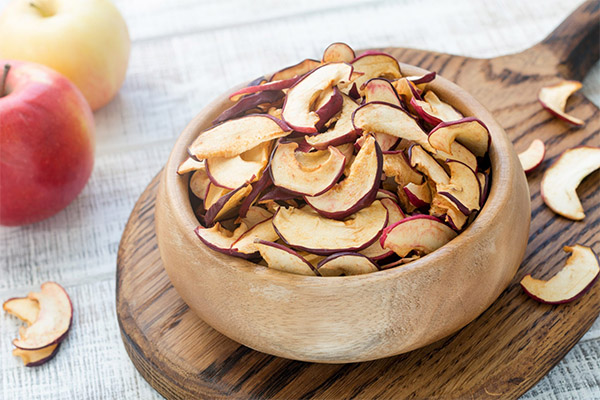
x=502 y=353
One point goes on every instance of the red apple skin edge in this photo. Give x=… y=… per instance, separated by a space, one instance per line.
x=46 y=143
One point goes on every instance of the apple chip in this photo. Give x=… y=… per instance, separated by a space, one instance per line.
x=226 y=205
x=346 y=263
x=189 y=165
x=338 y=52
x=342 y=132
x=53 y=321
x=554 y=99
x=23 y=308
x=236 y=171
x=300 y=69
x=418 y=195
x=304 y=229
x=248 y=103
x=375 y=64
x=246 y=244
x=316 y=174
x=426 y=164
x=357 y=190
x=560 y=181
x=33 y=358
x=420 y=233
x=395 y=165
x=533 y=156
x=395 y=214
x=463 y=188
x=284 y=259
x=236 y=136
x=276 y=85
x=219 y=238
x=470 y=132
x=571 y=282
x=381 y=90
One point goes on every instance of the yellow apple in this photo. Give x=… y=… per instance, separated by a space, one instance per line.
x=86 y=41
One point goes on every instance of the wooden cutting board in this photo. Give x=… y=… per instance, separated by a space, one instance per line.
x=501 y=354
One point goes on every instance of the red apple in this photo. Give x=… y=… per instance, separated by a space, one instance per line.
x=46 y=142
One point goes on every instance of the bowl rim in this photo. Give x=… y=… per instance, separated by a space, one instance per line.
x=502 y=175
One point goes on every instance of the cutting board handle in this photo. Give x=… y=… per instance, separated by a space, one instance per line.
x=575 y=43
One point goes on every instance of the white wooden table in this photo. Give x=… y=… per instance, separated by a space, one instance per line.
x=184 y=53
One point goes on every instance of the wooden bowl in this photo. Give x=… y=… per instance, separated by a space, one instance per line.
x=350 y=318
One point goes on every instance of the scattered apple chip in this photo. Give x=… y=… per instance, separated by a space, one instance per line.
x=359 y=188
x=284 y=259
x=470 y=132
x=346 y=263
x=338 y=52
x=303 y=229
x=571 y=282
x=53 y=321
x=23 y=308
x=560 y=181
x=554 y=99
x=297 y=112
x=236 y=136
x=306 y=178
x=420 y=233
x=33 y=358
x=533 y=156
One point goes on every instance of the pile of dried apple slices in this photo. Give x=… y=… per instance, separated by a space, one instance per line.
x=48 y=315
x=337 y=167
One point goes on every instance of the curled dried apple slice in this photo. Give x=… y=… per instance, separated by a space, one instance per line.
x=23 y=308
x=386 y=194
x=328 y=106
x=342 y=132
x=381 y=90
x=533 y=156
x=236 y=136
x=213 y=194
x=423 y=79
x=254 y=216
x=277 y=85
x=421 y=233
x=463 y=189
x=346 y=263
x=219 y=238
x=441 y=207
x=189 y=165
x=226 y=205
x=306 y=178
x=418 y=195
x=397 y=166
x=258 y=188
x=554 y=99
x=395 y=214
x=375 y=64
x=425 y=163
x=233 y=172
x=338 y=52
x=405 y=89
x=443 y=110
x=284 y=259
x=199 y=182
x=571 y=282
x=248 y=103
x=53 y=321
x=34 y=358
x=560 y=181
x=245 y=246
x=357 y=190
x=300 y=69
x=304 y=229
x=470 y=132
x=297 y=112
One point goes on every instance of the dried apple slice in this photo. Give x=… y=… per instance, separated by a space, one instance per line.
x=245 y=246
x=418 y=195
x=226 y=205
x=426 y=164
x=233 y=172
x=359 y=188
x=560 y=181
x=395 y=214
x=463 y=189
x=342 y=132
x=346 y=264
x=444 y=111
x=53 y=321
x=248 y=103
x=199 y=182
x=213 y=194
x=219 y=238
x=300 y=69
x=306 y=178
x=34 y=358
x=338 y=52
x=23 y=308
x=276 y=85
x=405 y=89
x=571 y=282
x=554 y=99
x=397 y=166
x=470 y=132
x=533 y=156
x=386 y=194
x=375 y=64
x=381 y=90
x=304 y=229
x=236 y=136
x=300 y=98
x=254 y=215
x=258 y=188
x=421 y=233
x=441 y=207
x=423 y=79
x=284 y=259
x=328 y=106
x=189 y=165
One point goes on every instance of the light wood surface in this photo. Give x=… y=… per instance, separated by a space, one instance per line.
x=503 y=352
x=184 y=53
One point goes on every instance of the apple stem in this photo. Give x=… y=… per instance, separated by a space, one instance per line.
x=4 y=77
